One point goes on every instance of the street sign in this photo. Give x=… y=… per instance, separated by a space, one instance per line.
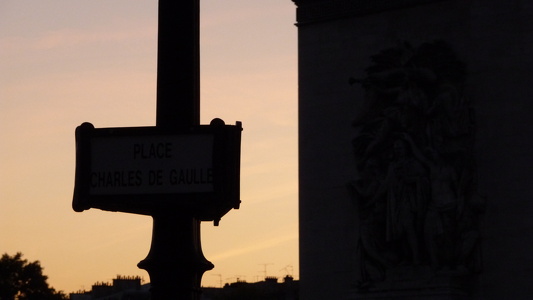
x=144 y=169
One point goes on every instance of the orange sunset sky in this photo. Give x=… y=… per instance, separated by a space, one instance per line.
x=65 y=62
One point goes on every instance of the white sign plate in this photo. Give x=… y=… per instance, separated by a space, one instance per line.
x=130 y=165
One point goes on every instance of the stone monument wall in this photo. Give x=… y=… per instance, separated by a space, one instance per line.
x=446 y=83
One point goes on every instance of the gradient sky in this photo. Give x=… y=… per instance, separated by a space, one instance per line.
x=64 y=62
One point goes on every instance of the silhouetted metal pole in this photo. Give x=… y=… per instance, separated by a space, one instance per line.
x=178 y=64
x=175 y=261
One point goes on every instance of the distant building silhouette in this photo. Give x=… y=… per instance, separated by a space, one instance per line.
x=122 y=288
x=269 y=289
x=131 y=288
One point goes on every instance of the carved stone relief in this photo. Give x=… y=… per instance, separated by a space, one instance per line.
x=415 y=189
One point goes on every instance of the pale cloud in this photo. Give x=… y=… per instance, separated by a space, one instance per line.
x=67 y=38
x=255 y=247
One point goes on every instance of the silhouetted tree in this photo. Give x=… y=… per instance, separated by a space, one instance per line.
x=23 y=280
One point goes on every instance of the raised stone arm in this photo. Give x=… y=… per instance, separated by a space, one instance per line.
x=416 y=151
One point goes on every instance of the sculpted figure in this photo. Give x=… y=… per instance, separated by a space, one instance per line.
x=440 y=226
x=370 y=201
x=406 y=201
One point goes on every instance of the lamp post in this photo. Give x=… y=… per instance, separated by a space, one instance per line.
x=179 y=172
x=175 y=262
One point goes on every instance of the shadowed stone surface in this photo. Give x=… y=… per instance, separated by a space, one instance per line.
x=494 y=40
